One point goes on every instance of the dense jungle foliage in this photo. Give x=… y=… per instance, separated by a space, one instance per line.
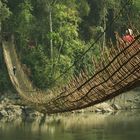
x=52 y=35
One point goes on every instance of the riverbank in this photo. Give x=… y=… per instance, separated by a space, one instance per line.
x=11 y=106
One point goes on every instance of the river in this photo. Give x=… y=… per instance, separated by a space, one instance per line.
x=116 y=126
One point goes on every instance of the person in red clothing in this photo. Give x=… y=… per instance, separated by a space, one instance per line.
x=128 y=37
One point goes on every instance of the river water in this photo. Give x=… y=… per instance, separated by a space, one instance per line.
x=118 y=126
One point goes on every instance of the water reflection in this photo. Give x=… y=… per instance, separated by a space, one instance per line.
x=119 y=126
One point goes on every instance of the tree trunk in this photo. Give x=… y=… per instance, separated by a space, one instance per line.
x=51 y=41
x=1 y=57
x=0 y=34
x=51 y=30
x=104 y=36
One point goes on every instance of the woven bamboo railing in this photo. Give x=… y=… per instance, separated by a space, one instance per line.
x=117 y=72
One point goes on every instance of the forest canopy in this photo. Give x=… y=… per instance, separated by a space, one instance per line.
x=52 y=35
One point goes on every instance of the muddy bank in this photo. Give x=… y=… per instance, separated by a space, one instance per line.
x=11 y=106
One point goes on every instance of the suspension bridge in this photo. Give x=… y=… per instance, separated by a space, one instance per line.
x=118 y=71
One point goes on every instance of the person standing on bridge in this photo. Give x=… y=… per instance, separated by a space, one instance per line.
x=128 y=37
x=14 y=70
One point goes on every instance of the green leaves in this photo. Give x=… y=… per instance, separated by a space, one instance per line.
x=51 y=34
x=4 y=11
x=83 y=7
x=25 y=20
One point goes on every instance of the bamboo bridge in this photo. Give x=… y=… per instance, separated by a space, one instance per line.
x=117 y=72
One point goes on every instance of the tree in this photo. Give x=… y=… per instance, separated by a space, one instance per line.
x=4 y=13
x=59 y=30
x=47 y=8
x=24 y=22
